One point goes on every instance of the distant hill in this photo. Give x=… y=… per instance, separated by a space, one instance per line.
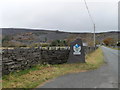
x=28 y=36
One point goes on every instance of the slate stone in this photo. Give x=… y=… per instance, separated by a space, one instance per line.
x=21 y=59
x=74 y=56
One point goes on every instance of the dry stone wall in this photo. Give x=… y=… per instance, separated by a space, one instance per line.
x=24 y=58
x=20 y=59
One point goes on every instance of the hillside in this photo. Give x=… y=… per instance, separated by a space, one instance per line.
x=28 y=36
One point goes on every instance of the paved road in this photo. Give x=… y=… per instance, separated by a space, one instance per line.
x=104 y=77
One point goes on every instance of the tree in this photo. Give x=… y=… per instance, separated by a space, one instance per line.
x=109 y=41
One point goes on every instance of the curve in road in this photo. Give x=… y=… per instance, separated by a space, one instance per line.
x=104 y=77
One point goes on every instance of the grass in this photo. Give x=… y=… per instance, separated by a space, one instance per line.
x=114 y=48
x=40 y=74
x=0 y=83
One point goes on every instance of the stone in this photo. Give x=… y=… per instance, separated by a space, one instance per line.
x=21 y=59
x=77 y=53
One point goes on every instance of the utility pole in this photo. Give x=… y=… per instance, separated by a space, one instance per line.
x=92 y=22
x=94 y=36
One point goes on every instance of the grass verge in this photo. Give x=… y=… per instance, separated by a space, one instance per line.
x=39 y=74
x=114 y=48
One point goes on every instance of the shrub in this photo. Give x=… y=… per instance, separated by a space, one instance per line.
x=109 y=41
x=59 y=43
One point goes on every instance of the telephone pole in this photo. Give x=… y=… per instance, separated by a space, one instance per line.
x=94 y=36
x=91 y=21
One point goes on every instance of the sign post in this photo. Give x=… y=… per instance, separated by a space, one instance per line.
x=77 y=54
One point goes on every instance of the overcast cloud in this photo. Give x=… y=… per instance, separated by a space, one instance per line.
x=65 y=15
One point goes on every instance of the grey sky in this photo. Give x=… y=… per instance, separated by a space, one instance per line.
x=65 y=15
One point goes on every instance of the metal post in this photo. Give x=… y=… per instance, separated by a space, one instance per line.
x=94 y=37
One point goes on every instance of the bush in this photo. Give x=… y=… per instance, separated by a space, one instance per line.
x=44 y=44
x=6 y=38
x=109 y=41
x=38 y=45
x=59 y=43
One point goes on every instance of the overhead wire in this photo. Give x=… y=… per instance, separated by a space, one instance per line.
x=91 y=21
x=89 y=12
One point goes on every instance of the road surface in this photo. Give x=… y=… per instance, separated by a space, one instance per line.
x=104 y=77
